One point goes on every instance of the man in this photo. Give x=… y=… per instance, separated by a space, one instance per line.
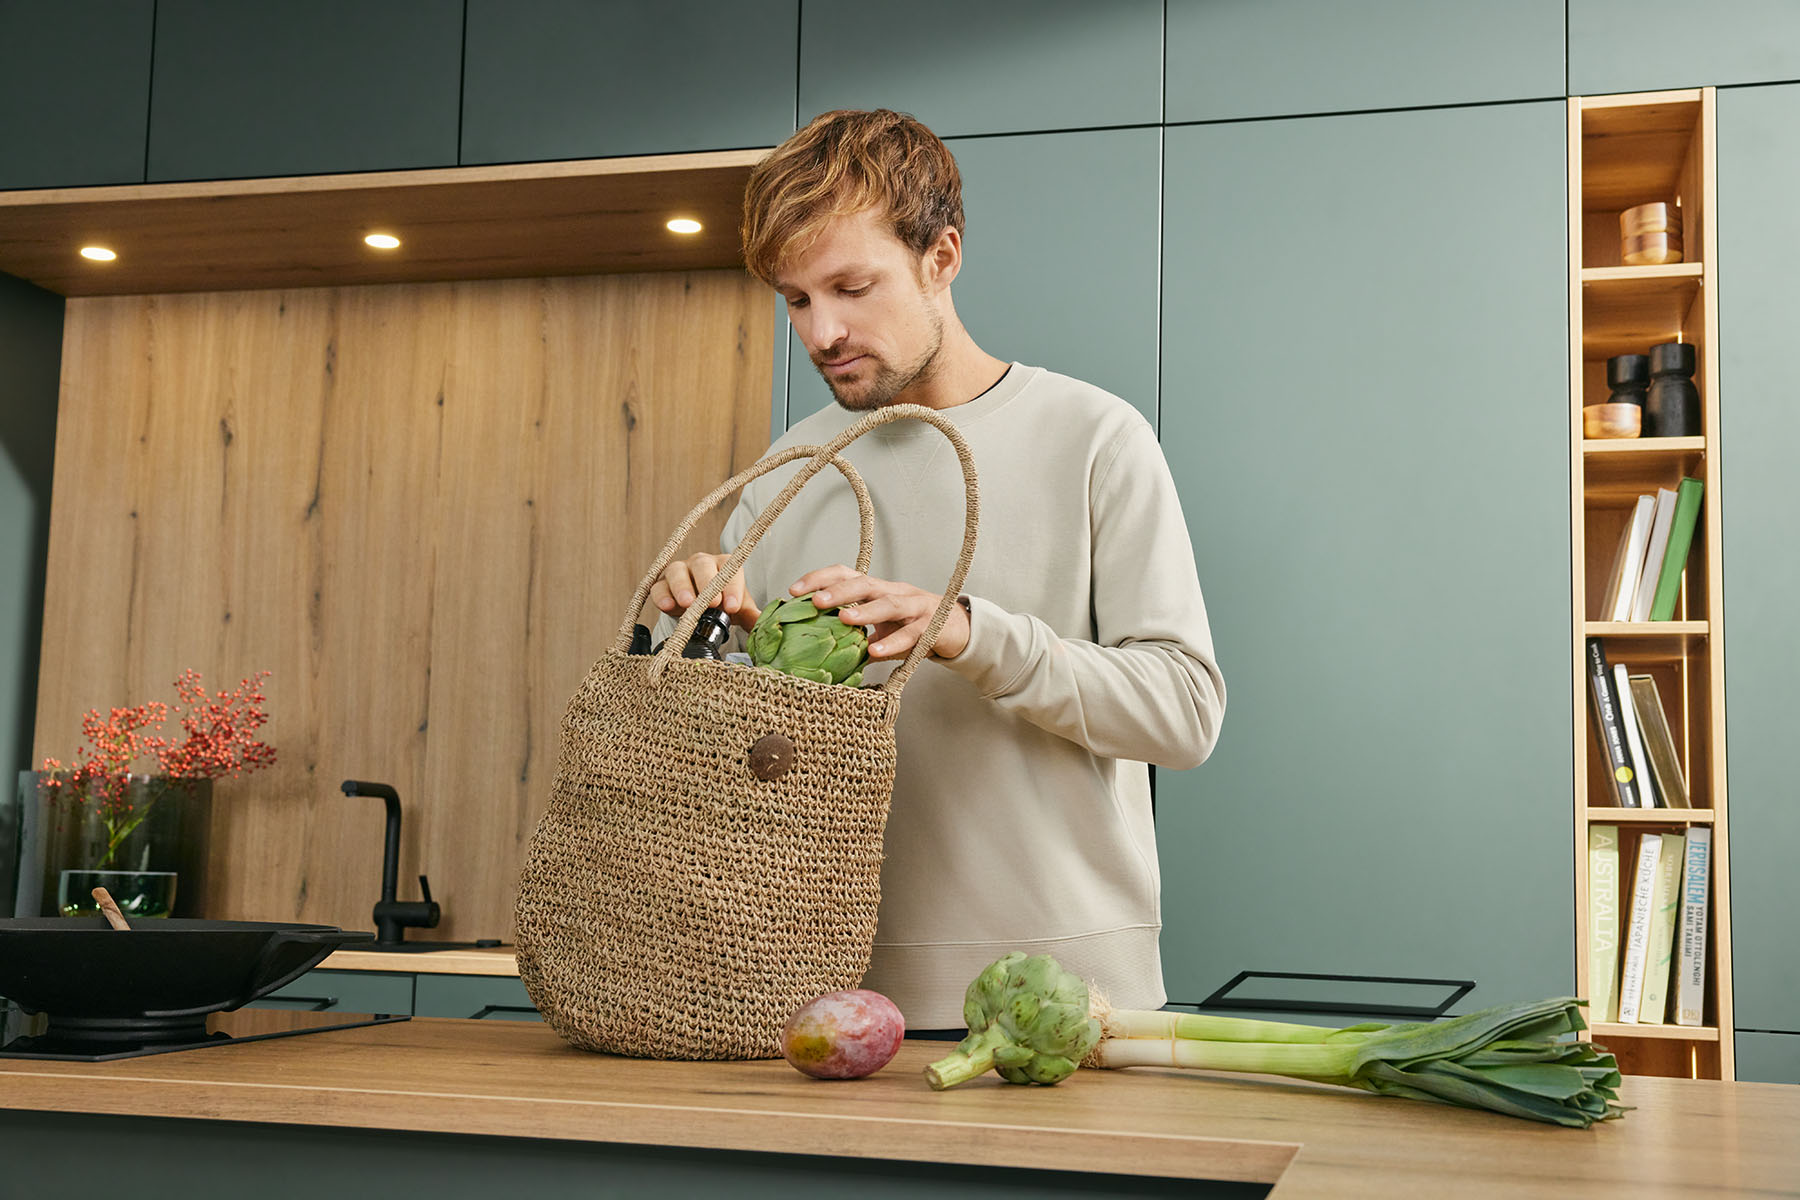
x=1080 y=649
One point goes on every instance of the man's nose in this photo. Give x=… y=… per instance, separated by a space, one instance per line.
x=828 y=326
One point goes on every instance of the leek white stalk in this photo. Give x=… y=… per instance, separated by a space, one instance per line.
x=1504 y=1059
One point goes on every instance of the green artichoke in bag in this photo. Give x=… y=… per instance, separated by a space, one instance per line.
x=797 y=638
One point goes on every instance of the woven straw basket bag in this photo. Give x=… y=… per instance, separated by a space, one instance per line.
x=710 y=858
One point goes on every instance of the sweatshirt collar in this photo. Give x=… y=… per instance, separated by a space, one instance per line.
x=967 y=413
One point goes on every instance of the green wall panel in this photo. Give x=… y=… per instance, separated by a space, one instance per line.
x=1768 y=1057
x=1650 y=45
x=1365 y=410
x=1059 y=259
x=31 y=321
x=74 y=91
x=553 y=79
x=297 y=89
x=1000 y=66
x=1259 y=58
x=1759 y=173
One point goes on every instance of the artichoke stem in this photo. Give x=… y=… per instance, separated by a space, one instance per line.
x=973 y=1056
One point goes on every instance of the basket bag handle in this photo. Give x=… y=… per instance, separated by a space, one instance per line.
x=822 y=457
x=865 y=540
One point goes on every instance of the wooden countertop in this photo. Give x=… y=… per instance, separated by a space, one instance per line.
x=498 y=961
x=1687 y=1137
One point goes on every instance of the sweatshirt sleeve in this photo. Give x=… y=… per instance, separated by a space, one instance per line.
x=1147 y=688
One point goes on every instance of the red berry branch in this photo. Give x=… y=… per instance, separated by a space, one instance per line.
x=218 y=739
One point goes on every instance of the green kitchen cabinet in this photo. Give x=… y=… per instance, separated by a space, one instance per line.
x=298 y=89
x=75 y=89
x=1059 y=263
x=1229 y=59
x=1653 y=45
x=424 y=994
x=1759 y=172
x=31 y=327
x=1001 y=66
x=558 y=79
x=1767 y=1057
x=473 y=997
x=1365 y=381
x=385 y=992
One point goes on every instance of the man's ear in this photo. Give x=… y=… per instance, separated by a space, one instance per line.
x=942 y=260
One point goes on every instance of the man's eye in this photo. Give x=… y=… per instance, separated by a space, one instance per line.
x=797 y=302
x=863 y=290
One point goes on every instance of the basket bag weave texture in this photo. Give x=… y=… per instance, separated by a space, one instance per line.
x=674 y=902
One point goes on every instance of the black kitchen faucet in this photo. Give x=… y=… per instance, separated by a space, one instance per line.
x=392 y=915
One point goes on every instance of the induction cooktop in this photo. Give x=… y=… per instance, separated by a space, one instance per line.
x=33 y=1036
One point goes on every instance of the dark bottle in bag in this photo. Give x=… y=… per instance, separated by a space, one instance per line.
x=709 y=639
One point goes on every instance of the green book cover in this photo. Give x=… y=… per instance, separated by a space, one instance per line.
x=1681 y=537
x=1603 y=923
x=1657 y=962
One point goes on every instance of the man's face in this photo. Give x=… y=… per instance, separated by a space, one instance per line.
x=867 y=316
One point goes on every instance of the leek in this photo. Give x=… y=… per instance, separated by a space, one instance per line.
x=1507 y=1059
x=1513 y=1059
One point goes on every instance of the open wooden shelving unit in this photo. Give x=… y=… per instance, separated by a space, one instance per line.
x=1627 y=150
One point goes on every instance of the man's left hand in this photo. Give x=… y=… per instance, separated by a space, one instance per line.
x=899 y=612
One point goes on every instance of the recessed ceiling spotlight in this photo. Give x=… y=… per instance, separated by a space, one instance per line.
x=684 y=225
x=383 y=241
x=98 y=253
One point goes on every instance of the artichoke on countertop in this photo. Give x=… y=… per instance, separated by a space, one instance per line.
x=796 y=637
x=1028 y=1019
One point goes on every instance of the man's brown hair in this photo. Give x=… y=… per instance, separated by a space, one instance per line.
x=845 y=162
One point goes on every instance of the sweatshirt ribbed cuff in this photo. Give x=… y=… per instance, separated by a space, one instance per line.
x=1002 y=648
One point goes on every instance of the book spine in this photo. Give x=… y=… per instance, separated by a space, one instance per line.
x=1690 y=991
x=1603 y=923
x=1662 y=930
x=1637 y=537
x=1644 y=594
x=1606 y=724
x=1634 y=739
x=1659 y=742
x=1681 y=537
x=1637 y=938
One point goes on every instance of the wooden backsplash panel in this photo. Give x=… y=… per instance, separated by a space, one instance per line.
x=422 y=506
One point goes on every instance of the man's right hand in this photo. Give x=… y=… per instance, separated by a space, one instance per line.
x=682 y=582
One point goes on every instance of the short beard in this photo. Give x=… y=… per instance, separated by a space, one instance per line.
x=889 y=382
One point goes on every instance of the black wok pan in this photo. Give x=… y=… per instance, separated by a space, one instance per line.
x=162 y=972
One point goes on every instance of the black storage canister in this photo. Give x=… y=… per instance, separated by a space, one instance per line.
x=1627 y=375
x=1672 y=406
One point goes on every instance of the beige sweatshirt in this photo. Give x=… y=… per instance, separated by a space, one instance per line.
x=1021 y=815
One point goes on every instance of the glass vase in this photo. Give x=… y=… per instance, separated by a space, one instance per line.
x=154 y=834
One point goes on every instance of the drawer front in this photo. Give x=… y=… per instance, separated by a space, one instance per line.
x=1768 y=1057
x=474 y=997
x=345 y=991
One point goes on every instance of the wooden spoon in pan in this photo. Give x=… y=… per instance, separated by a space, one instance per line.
x=110 y=908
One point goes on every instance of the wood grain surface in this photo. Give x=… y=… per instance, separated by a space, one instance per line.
x=1685 y=1138
x=471 y=961
x=583 y=217
x=423 y=507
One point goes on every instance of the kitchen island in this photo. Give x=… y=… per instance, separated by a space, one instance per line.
x=473 y=1108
